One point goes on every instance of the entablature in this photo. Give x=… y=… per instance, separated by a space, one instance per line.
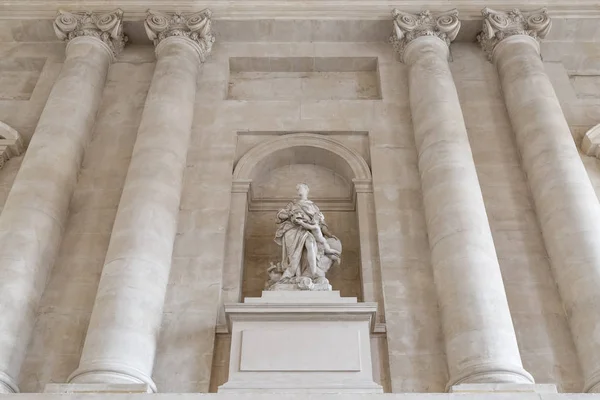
x=292 y=9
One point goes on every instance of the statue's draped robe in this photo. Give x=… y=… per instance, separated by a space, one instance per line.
x=293 y=238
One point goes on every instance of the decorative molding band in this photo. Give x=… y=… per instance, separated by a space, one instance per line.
x=108 y=27
x=197 y=27
x=408 y=27
x=379 y=328
x=590 y=145
x=11 y=144
x=499 y=25
x=274 y=204
x=135 y=10
x=363 y=185
x=241 y=185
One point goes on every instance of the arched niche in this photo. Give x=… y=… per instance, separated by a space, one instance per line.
x=303 y=148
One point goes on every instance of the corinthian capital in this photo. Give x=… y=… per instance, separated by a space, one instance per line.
x=108 y=27
x=498 y=25
x=196 y=27
x=408 y=27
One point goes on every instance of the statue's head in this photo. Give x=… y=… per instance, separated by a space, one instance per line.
x=303 y=190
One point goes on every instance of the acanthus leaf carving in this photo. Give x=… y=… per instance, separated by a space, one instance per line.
x=408 y=27
x=108 y=27
x=498 y=25
x=196 y=27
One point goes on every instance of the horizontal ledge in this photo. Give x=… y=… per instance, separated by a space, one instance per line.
x=291 y=9
x=343 y=309
x=379 y=328
x=330 y=204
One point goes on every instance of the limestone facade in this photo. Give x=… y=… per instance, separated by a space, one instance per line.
x=144 y=157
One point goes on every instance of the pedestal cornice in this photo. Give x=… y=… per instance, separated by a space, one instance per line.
x=107 y=27
x=408 y=27
x=499 y=25
x=196 y=27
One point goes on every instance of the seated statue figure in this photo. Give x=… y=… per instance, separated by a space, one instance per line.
x=308 y=248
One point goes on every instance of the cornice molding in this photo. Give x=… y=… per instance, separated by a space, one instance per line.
x=107 y=27
x=135 y=10
x=499 y=25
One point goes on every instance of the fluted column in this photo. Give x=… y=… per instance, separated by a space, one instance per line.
x=481 y=345
x=33 y=218
x=120 y=345
x=566 y=205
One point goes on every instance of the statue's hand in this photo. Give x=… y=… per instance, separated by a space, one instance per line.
x=306 y=225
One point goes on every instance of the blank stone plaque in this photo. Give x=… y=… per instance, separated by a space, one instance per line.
x=301 y=349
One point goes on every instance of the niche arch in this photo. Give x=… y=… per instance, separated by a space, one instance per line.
x=302 y=148
x=272 y=153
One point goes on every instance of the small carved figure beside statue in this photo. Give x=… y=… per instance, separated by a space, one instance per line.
x=308 y=248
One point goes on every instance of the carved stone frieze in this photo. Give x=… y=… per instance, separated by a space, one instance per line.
x=408 y=27
x=498 y=25
x=108 y=27
x=196 y=27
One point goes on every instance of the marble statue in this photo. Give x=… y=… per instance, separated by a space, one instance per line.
x=308 y=248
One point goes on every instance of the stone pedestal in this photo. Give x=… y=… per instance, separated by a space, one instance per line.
x=300 y=342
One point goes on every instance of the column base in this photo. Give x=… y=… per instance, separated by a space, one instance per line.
x=65 y=388
x=503 y=388
x=111 y=376
x=491 y=374
x=7 y=384
x=592 y=384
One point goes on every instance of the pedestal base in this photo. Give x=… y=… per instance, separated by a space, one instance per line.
x=300 y=342
x=503 y=388
x=97 y=388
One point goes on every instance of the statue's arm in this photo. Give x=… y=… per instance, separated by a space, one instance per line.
x=283 y=214
x=306 y=225
x=326 y=232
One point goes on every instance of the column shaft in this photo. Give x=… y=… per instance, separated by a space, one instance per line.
x=33 y=218
x=481 y=344
x=565 y=201
x=120 y=345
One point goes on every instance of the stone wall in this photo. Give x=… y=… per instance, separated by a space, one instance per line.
x=414 y=344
